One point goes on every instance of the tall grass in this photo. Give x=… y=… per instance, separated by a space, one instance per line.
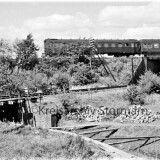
x=38 y=143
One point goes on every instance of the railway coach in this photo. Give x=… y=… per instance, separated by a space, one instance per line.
x=150 y=46
x=118 y=47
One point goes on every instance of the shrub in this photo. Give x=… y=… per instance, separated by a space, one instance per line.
x=134 y=95
x=77 y=147
x=84 y=76
x=62 y=81
x=125 y=77
x=70 y=102
x=149 y=82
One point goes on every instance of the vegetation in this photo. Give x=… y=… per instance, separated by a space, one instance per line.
x=149 y=83
x=135 y=95
x=33 y=143
x=68 y=65
x=26 y=53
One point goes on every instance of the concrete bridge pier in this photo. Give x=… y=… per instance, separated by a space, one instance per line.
x=151 y=63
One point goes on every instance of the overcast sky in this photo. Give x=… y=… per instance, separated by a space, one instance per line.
x=99 y=19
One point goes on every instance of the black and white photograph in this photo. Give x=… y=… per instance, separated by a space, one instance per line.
x=80 y=80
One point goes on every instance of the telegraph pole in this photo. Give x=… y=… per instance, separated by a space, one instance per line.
x=92 y=49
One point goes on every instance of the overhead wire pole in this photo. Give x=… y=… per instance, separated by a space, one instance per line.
x=110 y=72
x=93 y=49
x=132 y=68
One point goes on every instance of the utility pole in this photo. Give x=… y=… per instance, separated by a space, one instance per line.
x=132 y=68
x=92 y=49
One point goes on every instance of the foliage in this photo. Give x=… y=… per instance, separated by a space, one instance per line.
x=70 y=102
x=134 y=95
x=67 y=64
x=81 y=148
x=26 y=53
x=14 y=82
x=48 y=66
x=61 y=81
x=149 y=82
x=84 y=75
x=125 y=77
x=7 y=54
x=9 y=81
x=33 y=143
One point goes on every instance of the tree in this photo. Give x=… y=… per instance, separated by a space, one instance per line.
x=7 y=54
x=83 y=75
x=27 y=53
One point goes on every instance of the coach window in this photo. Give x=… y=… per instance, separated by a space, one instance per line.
x=113 y=45
x=149 y=46
x=106 y=45
x=132 y=45
x=126 y=45
x=99 y=45
x=119 y=44
x=156 y=45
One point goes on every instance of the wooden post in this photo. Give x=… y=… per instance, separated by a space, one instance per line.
x=91 y=59
x=145 y=62
x=132 y=68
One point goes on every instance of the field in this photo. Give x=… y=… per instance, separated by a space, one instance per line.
x=108 y=98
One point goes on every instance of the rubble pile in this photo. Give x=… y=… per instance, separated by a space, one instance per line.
x=135 y=114
x=138 y=114
x=90 y=114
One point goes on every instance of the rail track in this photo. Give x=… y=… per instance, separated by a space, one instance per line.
x=97 y=88
x=106 y=134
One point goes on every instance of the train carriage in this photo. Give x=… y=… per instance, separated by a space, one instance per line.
x=124 y=47
x=150 y=46
x=118 y=47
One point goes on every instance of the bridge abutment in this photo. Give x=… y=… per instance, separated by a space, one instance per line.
x=151 y=63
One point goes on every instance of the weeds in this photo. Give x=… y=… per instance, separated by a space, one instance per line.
x=149 y=82
x=134 y=95
x=26 y=143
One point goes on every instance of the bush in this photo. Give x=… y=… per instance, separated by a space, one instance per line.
x=84 y=76
x=135 y=95
x=77 y=147
x=61 y=81
x=70 y=102
x=149 y=82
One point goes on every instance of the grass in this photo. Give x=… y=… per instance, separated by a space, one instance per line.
x=108 y=98
x=37 y=143
x=135 y=130
x=153 y=102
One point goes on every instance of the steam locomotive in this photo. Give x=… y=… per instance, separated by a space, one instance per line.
x=118 y=47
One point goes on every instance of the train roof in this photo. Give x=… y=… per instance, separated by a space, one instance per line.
x=117 y=40
x=97 y=40
x=150 y=40
x=65 y=40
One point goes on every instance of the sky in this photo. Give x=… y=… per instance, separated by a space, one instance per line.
x=103 y=19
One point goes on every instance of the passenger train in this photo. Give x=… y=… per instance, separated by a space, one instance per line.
x=114 y=47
